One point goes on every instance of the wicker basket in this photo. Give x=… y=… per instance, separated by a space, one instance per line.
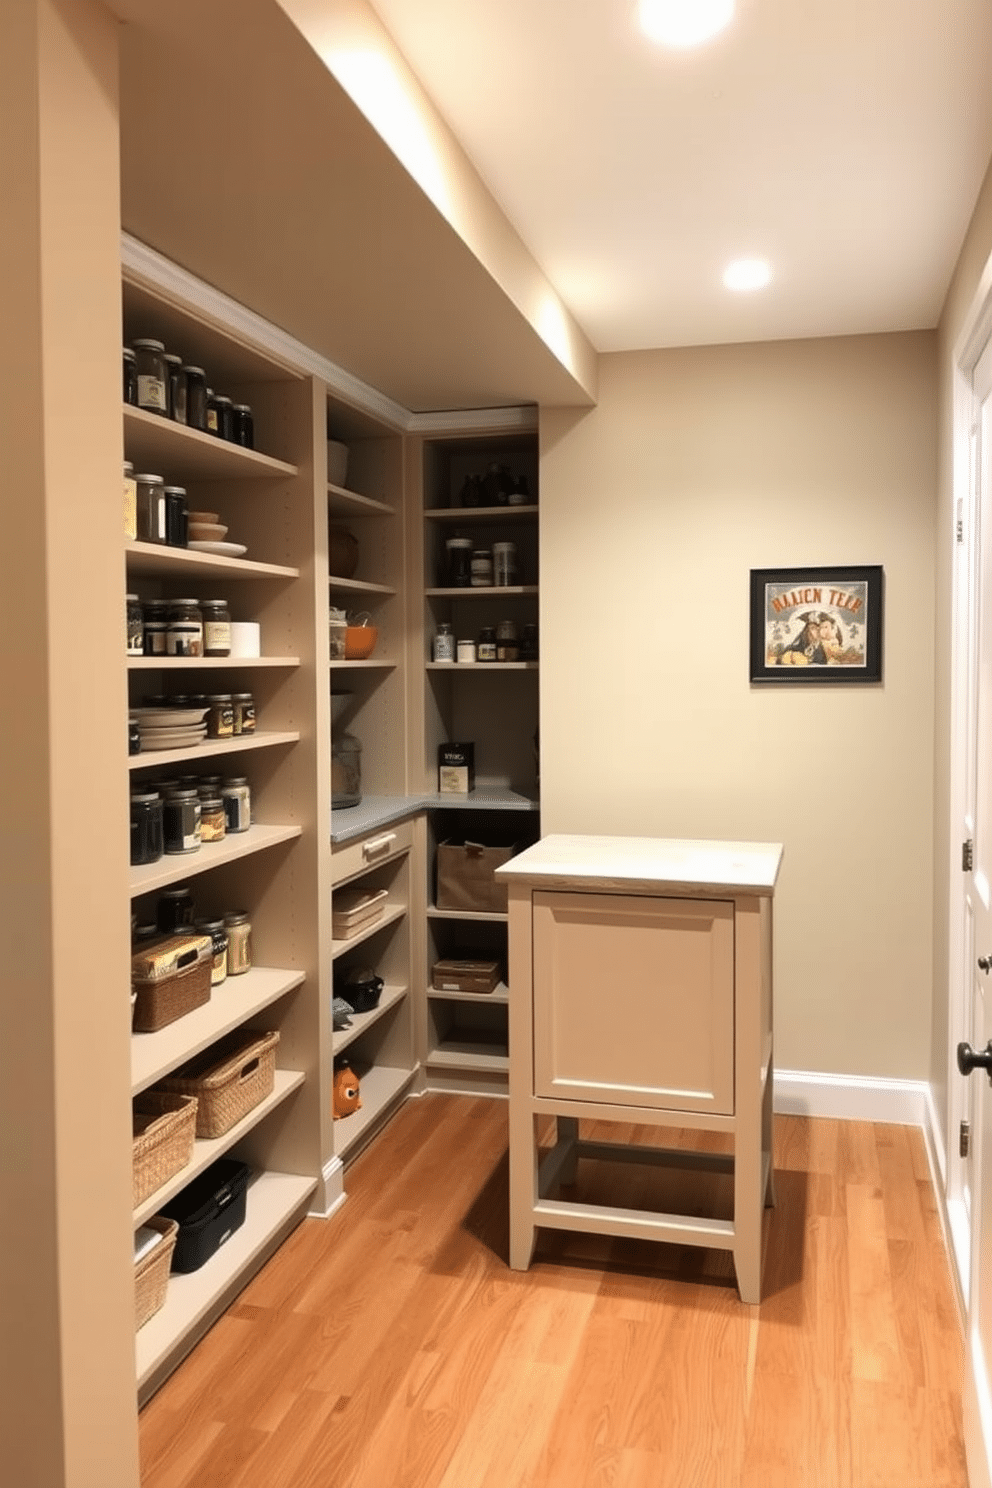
x=229 y=1079
x=170 y=978
x=151 y=1273
x=164 y=1126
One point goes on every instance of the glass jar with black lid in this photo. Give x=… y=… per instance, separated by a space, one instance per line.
x=152 y=376
x=176 y=374
x=150 y=508
x=196 y=397
x=184 y=636
x=155 y=623
x=130 y=376
x=242 y=425
x=146 y=827
x=216 y=627
x=223 y=416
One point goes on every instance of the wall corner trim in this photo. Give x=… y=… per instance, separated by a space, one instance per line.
x=330 y=1194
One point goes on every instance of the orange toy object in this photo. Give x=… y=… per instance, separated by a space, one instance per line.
x=346 y=1098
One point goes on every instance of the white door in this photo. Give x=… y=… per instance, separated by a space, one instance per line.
x=976 y=935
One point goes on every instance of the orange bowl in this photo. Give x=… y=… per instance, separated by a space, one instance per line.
x=359 y=641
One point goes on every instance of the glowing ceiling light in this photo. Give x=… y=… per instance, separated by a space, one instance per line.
x=683 y=23
x=747 y=273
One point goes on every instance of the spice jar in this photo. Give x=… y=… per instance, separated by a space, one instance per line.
x=466 y=651
x=174 y=910
x=150 y=508
x=135 y=626
x=184 y=636
x=175 y=387
x=176 y=516
x=208 y=785
x=459 y=551
x=244 y=712
x=213 y=818
x=242 y=425
x=444 y=643
x=236 y=795
x=155 y=624
x=222 y=416
x=217 y=931
x=196 y=397
x=220 y=719
x=482 y=568
x=238 y=927
x=487 y=644
x=146 y=827
x=507 y=648
x=130 y=376
x=150 y=374
x=216 y=627
x=181 y=822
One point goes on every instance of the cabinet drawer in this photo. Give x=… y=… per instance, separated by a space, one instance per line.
x=352 y=858
x=634 y=1001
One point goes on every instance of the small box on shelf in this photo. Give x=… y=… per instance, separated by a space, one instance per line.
x=455 y=769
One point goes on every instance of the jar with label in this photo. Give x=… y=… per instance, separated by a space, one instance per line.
x=238 y=927
x=244 y=712
x=220 y=719
x=196 y=397
x=507 y=648
x=217 y=931
x=459 y=551
x=236 y=795
x=184 y=636
x=504 y=564
x=135 y=626
x=242 y=425
x=213 y=818
x=181 y=822
x=466 y=651
x=216 y=627
x=150 y=371
x=155 y=623
x=444 y=643
x=130 y=376
x=176 y=516
x=487 y=644
x=175 y=380
x=528 y=643
x=146 y=827
x=211 y=412
x=174 y=910
x=482 y=568
x=222 y=416
x=150 y=508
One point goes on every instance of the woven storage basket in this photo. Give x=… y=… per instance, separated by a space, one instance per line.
x=228 y=1079
x=170 y=978
x=151 y=1274
x=164 y=1126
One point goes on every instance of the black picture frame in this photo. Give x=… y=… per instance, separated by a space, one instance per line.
x=816 y=626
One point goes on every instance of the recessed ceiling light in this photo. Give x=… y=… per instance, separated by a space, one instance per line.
x=747 y=273
x=683 y=23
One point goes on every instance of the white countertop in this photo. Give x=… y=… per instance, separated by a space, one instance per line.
x=647 y=864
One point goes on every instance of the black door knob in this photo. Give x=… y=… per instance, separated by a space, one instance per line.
x=985 y=963
x=969 y=1060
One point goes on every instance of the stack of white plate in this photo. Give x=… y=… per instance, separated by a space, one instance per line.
x=170 y=728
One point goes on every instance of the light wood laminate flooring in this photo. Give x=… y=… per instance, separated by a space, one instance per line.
x=391 y=1347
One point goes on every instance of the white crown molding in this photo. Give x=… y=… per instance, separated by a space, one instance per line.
x=460 y=420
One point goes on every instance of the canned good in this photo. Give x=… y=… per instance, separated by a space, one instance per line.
x=239 y=948
x=236 y=795
x=150 y=372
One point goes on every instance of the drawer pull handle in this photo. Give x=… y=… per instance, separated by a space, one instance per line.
x=378 y=845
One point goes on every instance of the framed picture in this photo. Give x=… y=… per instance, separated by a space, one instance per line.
x=816 y=625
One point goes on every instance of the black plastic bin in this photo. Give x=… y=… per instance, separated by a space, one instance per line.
x=208 y=1212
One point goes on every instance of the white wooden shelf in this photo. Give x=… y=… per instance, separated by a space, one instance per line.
x=157 y=558
x=209 y=663
x=389 y=916
x=275 y=1201
x=235 y=1001
x=381 y=1086
x=210 y=749
x=372 y=665
x=500 y=995
x=361 y=1022
x=151 y=441
x=494 y=916
x=469 y=1054
x=481 y=666
x=174 y=867
x=504 y=591
x=207 y=1150
x=486 y=514
x=342 y=503
x=358 y=586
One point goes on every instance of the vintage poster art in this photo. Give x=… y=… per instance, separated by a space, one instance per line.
x=816 y=625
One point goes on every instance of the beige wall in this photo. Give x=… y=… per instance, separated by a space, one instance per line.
x=974 y=257
x=696 y=466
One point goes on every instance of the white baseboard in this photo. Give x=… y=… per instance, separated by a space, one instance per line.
x=330 y=1193
x=851 y=1097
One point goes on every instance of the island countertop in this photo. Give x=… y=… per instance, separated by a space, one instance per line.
x=697 y=868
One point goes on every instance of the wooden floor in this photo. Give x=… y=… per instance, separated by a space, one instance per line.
x=391 y=1346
